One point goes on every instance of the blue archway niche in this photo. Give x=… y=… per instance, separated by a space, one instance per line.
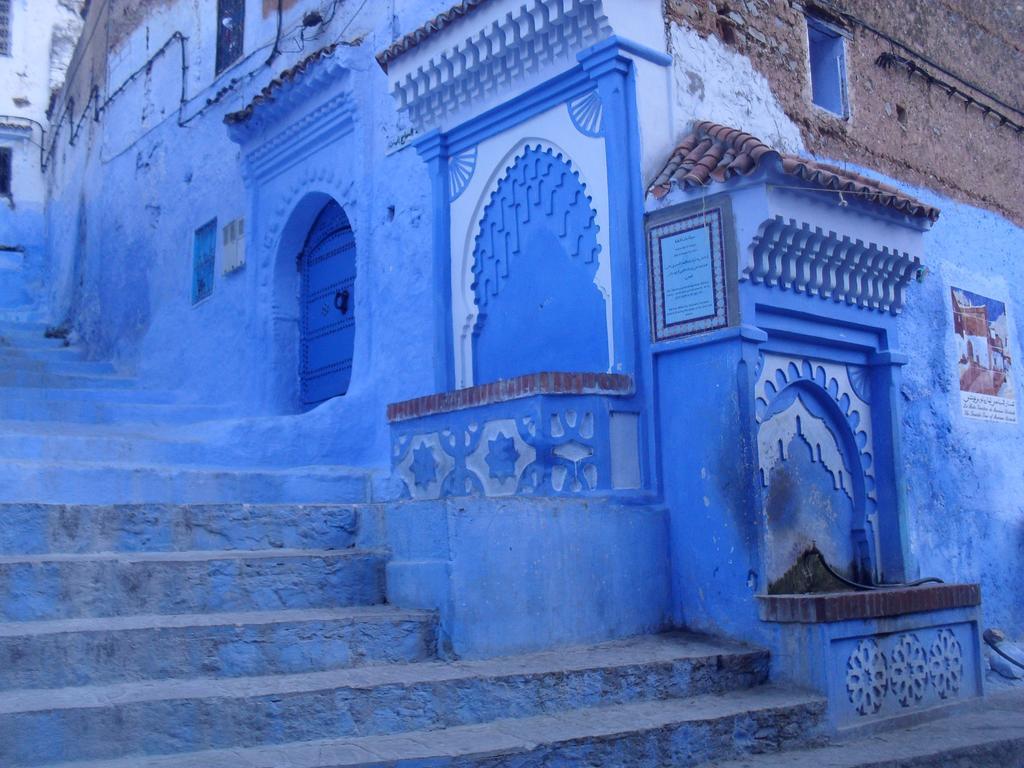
x=534 y=262
x=801 y=488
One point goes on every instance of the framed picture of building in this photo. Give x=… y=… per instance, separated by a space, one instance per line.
x=984 y=362
x=689 y=250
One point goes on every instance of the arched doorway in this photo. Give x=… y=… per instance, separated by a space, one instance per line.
x=327 y=264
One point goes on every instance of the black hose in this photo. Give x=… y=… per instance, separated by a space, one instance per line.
x=869 y=587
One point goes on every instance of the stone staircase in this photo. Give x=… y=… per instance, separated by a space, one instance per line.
x=74 y=430
x=160 y=608
x=244 y=635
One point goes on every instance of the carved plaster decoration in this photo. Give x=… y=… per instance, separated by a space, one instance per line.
x=423 y=466
x=503 y=177
x=565 y=452
x=795 y=256
x=846 y=385
x=540 y=185
x=919 y=669
x=460 y=171
x=867 y=679
x=587 y=113
x=500 y=458
x=775 y=436
x=908 y=670
x=525 y=39
x=946 y=664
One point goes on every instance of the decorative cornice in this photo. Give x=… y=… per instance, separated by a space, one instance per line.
x=795 y=256
x=318 y=75
x=494 y=53
x=325 y=123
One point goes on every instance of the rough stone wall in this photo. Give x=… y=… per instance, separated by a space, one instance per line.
x=898 y=125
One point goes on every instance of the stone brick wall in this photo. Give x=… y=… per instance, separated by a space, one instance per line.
x=898 y=124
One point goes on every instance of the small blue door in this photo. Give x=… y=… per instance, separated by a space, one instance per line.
x=328 y=265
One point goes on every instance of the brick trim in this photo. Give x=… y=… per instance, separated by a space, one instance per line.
x=842 y=606
x=548 y=383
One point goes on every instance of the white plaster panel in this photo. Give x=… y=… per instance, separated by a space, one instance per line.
x=551 y=129
x=624 y=442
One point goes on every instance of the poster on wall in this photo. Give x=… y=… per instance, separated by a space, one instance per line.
x=984 y=362
x=688 y=248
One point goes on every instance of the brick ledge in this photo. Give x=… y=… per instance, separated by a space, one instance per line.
x=548 y=383
x=842 y=606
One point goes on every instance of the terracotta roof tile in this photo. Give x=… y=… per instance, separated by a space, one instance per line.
x=713 y=152
x=432 y=27
x=267 y=93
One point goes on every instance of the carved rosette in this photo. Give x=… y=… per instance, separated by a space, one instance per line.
x=867 y=679
x=908 y=670
x=945 y=664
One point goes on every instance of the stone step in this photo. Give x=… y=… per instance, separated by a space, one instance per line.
x=990 y=737
x=154 y=717
x=108 y=482
x=42 y=587
x=61 y=364
x=18 y=377
x=137 y=444
x=69 y=652
x=89 y=394
x=33 y=339
x=673 y=732
x=31 y=529
x=109 y=410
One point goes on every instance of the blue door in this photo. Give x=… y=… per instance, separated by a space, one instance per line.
x=328 y=265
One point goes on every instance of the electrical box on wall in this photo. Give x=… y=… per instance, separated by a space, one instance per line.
x=233 y=236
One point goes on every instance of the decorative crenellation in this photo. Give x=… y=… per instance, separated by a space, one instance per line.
x=905 y=670
x=534 y=446
x=501 y=50
x=795 y=256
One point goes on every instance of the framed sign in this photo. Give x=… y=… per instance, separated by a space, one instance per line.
x=688 y=250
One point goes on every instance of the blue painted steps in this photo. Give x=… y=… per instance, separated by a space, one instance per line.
x=129 y=632
x=105 y=482
x=697 y=695
x=63 y=653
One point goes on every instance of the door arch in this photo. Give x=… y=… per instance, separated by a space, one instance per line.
x=327 y=265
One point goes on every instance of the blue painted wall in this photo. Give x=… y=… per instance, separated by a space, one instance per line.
x=964 y=478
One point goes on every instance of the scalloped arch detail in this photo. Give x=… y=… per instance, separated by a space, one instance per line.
x=844 y=385
x=536 y=181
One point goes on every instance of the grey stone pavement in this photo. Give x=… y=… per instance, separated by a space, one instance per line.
x=991 y=736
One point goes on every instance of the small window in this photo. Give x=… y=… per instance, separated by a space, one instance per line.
x=827 y=51
x=204 y=255
x=5 y=27
x=5 y=172
x=230 y=32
